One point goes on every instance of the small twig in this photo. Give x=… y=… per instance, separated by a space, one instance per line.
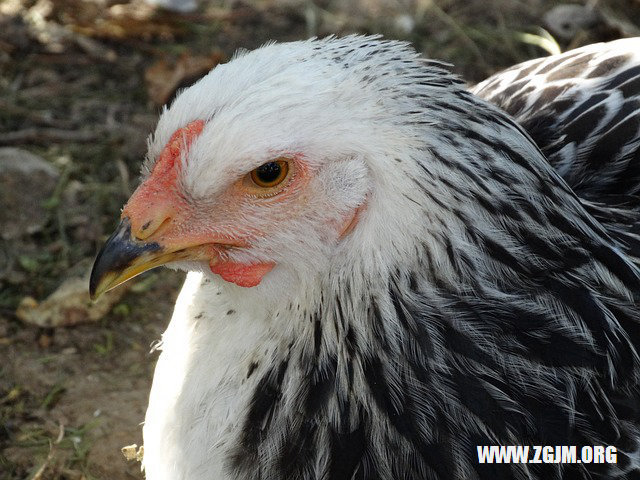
x=69 y=59
x=94 y=48
x=60 y=215
x=60 y=433
x=507 y=36
x=40 y=472
x=61 y=226
x=48 y=135
x=35 y=117
x=8 y=312
x=451 y=22
x=124 y=176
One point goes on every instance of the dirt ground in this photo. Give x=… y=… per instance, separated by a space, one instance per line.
x=81 y=84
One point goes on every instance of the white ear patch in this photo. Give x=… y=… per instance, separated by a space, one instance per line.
x=346 y=182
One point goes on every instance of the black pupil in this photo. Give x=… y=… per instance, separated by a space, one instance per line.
x=269 y=172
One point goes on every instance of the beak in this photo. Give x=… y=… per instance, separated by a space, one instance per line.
x=123 y=257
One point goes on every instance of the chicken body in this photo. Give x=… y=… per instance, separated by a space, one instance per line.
x=420 y=283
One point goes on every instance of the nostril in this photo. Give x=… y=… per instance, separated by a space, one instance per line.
x=151 y=227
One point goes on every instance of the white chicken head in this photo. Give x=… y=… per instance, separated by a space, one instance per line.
x=271 y=162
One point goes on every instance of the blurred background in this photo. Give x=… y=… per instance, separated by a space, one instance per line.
x=81 y=85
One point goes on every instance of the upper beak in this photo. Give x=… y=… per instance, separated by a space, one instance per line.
x=123 y=257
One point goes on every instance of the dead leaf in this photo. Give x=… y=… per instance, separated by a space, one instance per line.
x=164 y=77
x=132 y=452
x=69 y=305
x=45 y=340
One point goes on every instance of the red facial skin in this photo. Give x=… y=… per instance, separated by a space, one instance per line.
x=157 y=199
x=158 y=212
x=157 y=206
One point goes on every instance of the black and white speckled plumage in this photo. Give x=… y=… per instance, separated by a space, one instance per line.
x=583 y=109
x=477 y=301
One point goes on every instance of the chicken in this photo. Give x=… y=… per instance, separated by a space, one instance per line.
x=385 y=273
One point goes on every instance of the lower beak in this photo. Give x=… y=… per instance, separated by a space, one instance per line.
x=123 y=257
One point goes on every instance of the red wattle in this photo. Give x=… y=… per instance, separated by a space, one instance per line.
x=242 y=274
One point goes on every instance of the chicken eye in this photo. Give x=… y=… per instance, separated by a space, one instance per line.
x=270 y=174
